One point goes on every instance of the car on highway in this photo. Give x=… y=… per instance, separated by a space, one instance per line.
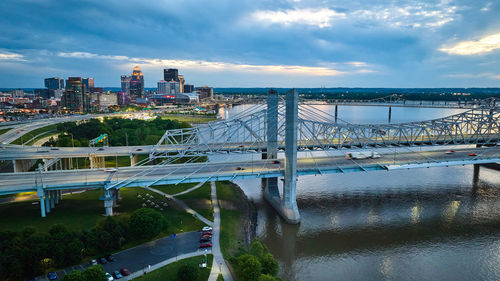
x=100 y=149
x=275 y=162
x=42 y=151
x=125 y=272
x=206 y=228
x=52 y=276
x=472 y=154
x=54 y=148
x=139 y=149
x=206 y=245
x=109 y=277
x=110 y=170
x=117 y=274
x=239 y=168
x=450 y=152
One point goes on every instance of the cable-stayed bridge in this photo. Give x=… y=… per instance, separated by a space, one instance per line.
x=266 y=130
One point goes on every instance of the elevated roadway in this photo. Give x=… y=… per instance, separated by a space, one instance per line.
x=215 y=171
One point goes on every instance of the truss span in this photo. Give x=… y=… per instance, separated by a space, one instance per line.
x=317 y=130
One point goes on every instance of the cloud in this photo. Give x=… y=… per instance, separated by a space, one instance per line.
x=474 y=75
x=201 y=65
x=466 y=48
x=315 y=17
x=8 y=56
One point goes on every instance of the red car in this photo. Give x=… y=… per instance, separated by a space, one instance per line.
x=206 y=233
x=125 y=272
x=275 y=162
x=206 y=245
x=472 y=154
x=239 y=168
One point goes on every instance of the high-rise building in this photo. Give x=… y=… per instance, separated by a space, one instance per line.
x=188 y=88
x=126 y=84
x=168 y=87
x=76 y=97
x=88 y=82
x=54 y=83
x=205 y=92
x=181 y=83
x=171 y=74
x=137 y=83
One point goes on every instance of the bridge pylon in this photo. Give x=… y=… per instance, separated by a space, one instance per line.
x=286 y=206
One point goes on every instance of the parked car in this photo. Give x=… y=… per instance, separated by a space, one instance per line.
x=206 y=228
x=117 y=274
x=205 y=239
x=109 y=277
x=206 y=232
x=206 y=245
x=110 y=258
x=103 y=261
x=93 y=262
x=52 y=276
x=125 y=272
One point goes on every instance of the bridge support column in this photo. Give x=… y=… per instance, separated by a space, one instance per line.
x=47 y=201
x=41 y=195
x=96 y=162
x=133 y=159
x=108 y=202
x=390 y=113
x=52 y=199
x=22 y=165
x=475 y=176
x=271 y=184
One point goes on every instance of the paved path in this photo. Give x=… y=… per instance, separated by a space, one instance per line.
x=182 y=204
x=218 y=265
x=189 y=189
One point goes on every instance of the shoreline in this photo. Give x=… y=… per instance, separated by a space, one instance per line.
x=249 y=219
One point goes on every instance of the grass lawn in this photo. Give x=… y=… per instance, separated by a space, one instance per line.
x=174 y=189
x=3 y=131
x=35 y=132
x=230 y=201
x=190 y=119
x=123 y=161
x=200 y=201
x=82 y=211
x=169 y=272
x=44 y=135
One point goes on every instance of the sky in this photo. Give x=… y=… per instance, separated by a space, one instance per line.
x=254 y=43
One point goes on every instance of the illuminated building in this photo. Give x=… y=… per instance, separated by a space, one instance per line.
x=54 y=83
x=75 y=97
x=137 y=83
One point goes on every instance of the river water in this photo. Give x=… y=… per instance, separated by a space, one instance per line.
x=422 y=224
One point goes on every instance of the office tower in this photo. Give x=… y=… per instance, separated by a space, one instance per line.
x=76 y=97
x=205 y=92
x=168 y=87
x=54 y=83
x=188 y=88
x=88 y=82
x=181 y=83
x=137 y=83
x=171 y=74
x=126 y=84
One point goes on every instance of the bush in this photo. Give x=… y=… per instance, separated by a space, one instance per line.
x=249 y=267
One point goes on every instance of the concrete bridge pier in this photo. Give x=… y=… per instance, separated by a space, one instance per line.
x=41 y=195
x=475 y=175
x=47 y=201
x=286 y=206
x=109 y=201
x=133 y=159
x=96 y=161
x=271 y=184
x=22 y=165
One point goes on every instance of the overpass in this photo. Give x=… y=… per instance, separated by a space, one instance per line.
x=266 y=130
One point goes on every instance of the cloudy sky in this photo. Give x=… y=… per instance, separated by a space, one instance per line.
x=254 y=43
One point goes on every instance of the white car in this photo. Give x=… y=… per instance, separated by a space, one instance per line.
x=110 y=278
x=206 y=228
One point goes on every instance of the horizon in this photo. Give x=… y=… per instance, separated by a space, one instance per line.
x=281 y=44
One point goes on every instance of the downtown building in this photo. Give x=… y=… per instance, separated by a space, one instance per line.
x=75 y=97
x=133 y=85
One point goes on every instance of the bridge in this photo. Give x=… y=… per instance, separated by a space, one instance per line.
x=266 y=130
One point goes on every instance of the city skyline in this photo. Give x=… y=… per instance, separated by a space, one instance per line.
x=255 y=43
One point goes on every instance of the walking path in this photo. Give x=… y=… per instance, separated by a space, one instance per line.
x=189 y=189
x=218 y=258
x=182 y=204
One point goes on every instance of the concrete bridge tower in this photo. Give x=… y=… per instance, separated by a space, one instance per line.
x=286 y=206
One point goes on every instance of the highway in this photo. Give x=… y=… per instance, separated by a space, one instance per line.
x=210 y=171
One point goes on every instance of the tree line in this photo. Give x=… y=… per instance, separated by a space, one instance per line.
x=256 y=264
x=28 y=253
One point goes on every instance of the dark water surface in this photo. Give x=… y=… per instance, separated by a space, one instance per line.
x=422 y=224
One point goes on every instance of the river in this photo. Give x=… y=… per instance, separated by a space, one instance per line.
x=422 y=224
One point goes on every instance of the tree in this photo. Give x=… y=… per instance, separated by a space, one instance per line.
x=66 y=247
x=267 y=277
x=257 y=249
x=146 y=223
x=76 y=275
x=269 y=264
x=249 y=267
x=95 y=273
x=187 y=272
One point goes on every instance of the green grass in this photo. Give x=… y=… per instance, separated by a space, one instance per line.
x=202 y=192
x=3 y=131
x=231 y=236
x=28 y=136
x=82 y=211
x=174 y=189
x=190 y=119
x=46 y=134
x=200 y=201
x=123 y=161
x=169 y=272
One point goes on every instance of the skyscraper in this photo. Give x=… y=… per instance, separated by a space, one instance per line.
x=181 y=83
x=75 y=97
x=88 y=82
x=168 y=88
x=188 y=88
x=205 y=92
x=137 y=83
x=126 y=84
x=54 y=83
x=171 y=74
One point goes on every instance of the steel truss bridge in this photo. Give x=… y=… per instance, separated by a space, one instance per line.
x=281 y=125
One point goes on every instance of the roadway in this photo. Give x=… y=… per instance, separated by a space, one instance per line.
x=214 y=171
